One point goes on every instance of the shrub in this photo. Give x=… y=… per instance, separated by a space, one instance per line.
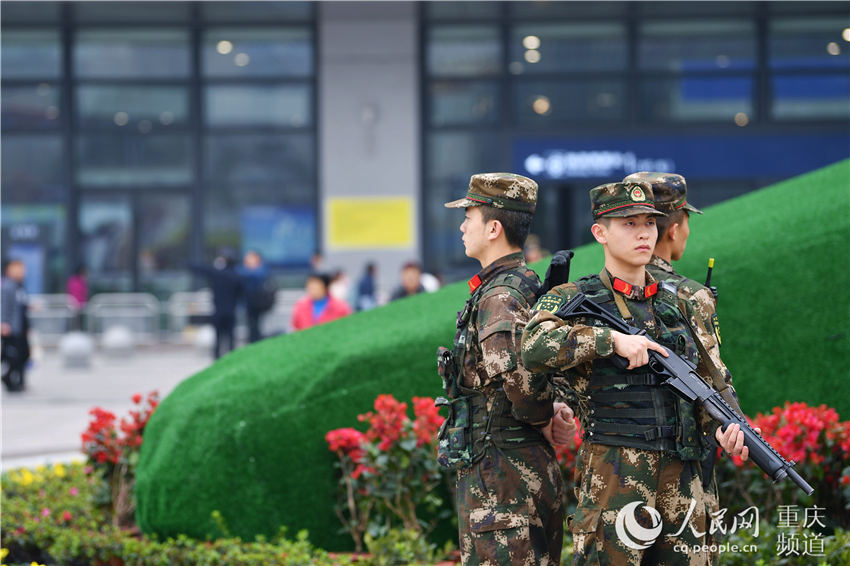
x=818 y=442
x=389 y=474
x=115 y=456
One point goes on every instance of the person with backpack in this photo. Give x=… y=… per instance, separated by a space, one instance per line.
x=259 y=292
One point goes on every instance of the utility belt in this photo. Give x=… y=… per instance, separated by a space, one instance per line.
x=470 y=428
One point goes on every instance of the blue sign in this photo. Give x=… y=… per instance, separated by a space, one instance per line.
x=697 y=156
x=283 y=235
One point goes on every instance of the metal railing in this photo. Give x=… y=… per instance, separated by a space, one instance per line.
x=52 y=315
x=139 y=312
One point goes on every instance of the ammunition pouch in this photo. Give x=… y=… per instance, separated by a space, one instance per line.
x=469 y=430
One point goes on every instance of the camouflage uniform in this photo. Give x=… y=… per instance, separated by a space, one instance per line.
x=510 y=500
x=670 y=192
x=641 y=442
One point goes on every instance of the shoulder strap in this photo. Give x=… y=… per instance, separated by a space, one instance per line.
x=618 y=300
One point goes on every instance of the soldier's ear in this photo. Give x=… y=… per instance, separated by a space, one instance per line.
x=494 y=229
x=672 y=232
x=599 y=233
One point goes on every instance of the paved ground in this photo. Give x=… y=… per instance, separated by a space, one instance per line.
x=44 y=423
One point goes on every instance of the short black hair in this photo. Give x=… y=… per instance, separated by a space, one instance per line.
x=516 y=224
x=664 y=222
x=323 y=277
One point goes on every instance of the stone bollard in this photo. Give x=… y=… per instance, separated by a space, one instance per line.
x=76 y=349
x=118 y=341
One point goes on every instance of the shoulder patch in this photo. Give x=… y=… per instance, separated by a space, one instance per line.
x=550 y=303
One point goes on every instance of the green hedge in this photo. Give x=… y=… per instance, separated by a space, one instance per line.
x=246 y=436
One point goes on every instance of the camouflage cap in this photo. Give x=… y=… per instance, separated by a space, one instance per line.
x=499 y=190
x=670 y=190
x=622 y=199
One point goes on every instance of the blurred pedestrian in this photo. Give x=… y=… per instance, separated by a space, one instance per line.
x=366 y=298
x=77 y=287
x=14 y=327
x=340 y=286
x=259 y=294
x=318 y=305
x=411 y=281
x=227 y=288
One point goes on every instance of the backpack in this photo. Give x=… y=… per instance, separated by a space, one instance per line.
x=262 y=298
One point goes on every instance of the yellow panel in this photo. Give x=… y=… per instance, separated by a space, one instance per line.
x=370 y=222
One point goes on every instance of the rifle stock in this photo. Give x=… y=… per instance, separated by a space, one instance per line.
x=682 y=377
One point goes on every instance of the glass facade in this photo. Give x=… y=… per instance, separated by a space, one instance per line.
x=138 y=135
x=579 y=93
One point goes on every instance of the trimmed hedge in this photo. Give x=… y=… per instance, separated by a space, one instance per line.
x=246 y=436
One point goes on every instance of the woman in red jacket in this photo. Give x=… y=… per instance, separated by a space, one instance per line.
x=317 y=306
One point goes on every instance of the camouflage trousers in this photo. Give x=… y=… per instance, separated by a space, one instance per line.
x=613 y=524
x=510 y=507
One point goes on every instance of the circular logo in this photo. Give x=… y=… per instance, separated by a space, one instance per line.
x=629 y=530
x=638 y=195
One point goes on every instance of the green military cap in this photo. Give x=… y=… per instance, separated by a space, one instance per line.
x=622 y=199
x=670 y=189
x=499 y=190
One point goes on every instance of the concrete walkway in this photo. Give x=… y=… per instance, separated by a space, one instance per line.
x=43 y=424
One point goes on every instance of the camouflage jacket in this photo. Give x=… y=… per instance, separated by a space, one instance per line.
x=704 y=317
x=570 y=347
x=493 y=356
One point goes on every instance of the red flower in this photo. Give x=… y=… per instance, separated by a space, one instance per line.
x=66 y=516
x=428 y=420
x=347 y=441
x=387 y=422
x=137 y=398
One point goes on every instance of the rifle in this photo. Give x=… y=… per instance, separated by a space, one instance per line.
x=682 y=377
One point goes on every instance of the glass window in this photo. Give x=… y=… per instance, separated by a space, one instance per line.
x=265 y=167
x=455 y=156
x=134 y=108
x=257 y=52
x=547 y=102
x=697 y=98
x=464 y=50
x=106 y=240
x=567 y=47
x=811 y=96
x=698 y=45
x=126 y=53
x=454 y=103
x=163 y=231
x=29 y=12
x=809 y=43
x=227 y=12
x=36 y=234
x=693 y=7
x=30 y=54
x=267 y=105
x=32 y=168
x=284 y=232
x=134 y=12
x=31 y=106
x=565 y=10
x=115 y=160
x=462 y=10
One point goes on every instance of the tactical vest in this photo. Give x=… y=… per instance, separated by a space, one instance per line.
x=630 y=407
x=471 y=427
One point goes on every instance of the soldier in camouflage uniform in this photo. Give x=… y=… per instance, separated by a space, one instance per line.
x=509 y=486
x=643 y=444
x=671 y=197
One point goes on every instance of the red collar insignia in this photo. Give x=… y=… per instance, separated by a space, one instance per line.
x=628 y=288
x=474 y=283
